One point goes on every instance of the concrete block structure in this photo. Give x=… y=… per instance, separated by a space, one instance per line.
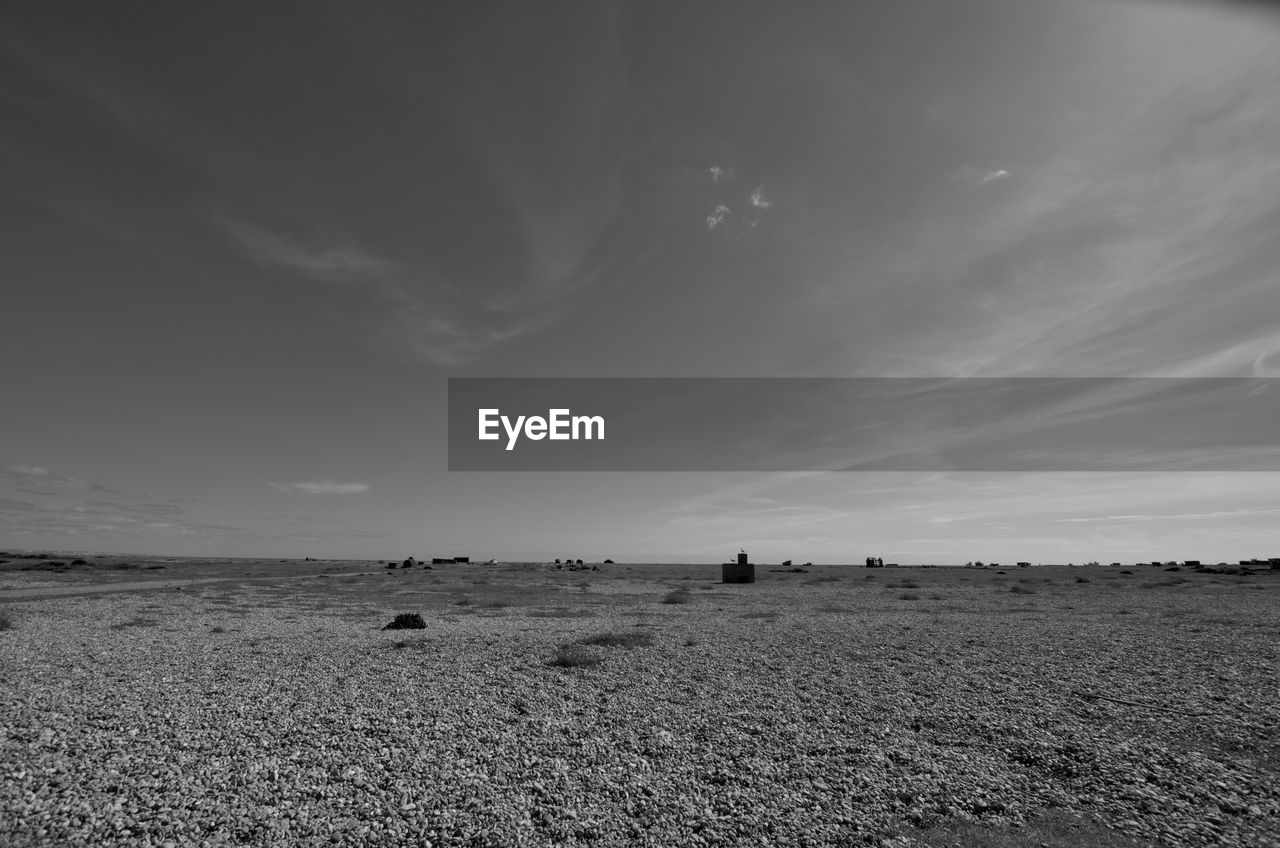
x=738 y=572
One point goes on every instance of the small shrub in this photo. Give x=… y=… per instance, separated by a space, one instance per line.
x=5 y=622
x=218 y=630
x=135 y=622
x=1019 y=589
x=909 y=596
x=1082 y=579
x=679 y=596
x=406 y=621
x=633 y=639
x=78 y=562
x=574 y=656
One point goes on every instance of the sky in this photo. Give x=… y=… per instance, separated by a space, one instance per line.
x=245 y=246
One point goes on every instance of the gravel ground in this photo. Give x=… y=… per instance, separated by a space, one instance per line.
x=832 y=714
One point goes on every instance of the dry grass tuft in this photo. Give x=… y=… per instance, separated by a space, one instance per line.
x=406 y=621
x=574 y=656
x=631 y=639
x=1053 y=830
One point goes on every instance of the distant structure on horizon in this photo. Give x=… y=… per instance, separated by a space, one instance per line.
x=741 y=571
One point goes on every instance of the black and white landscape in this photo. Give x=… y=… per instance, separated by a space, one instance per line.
x=982 y=298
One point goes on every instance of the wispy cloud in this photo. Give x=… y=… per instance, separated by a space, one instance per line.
x=26 y=470
x=980 y=176
x=718 y=216
x=323 y=487
x=719 y=174
x=38 y=480
x=1215 y=515
x=344 y=263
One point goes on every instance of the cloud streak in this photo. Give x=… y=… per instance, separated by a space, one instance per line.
x=323 y=487
x=334 y=264
x=39 y=480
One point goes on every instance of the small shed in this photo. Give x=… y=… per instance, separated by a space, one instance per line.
x=738 y=572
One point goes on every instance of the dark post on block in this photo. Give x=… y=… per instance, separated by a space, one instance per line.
x=738 y=572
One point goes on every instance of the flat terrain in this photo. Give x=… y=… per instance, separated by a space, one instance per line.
x=261 y=703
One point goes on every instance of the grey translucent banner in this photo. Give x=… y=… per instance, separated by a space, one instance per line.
x=864 y=424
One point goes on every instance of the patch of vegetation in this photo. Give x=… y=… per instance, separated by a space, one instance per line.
x=1019 y=589
x=909 y=596
x=406 y=621
x=631 y=639
x=1053 y=830
x=679 y=596
x=6 y=623
x=218 y=630
x=135 y=622
x=772 y=616
x=1082 y=579
x=574 y=656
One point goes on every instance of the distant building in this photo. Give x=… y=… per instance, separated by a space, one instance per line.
x=462 y=559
